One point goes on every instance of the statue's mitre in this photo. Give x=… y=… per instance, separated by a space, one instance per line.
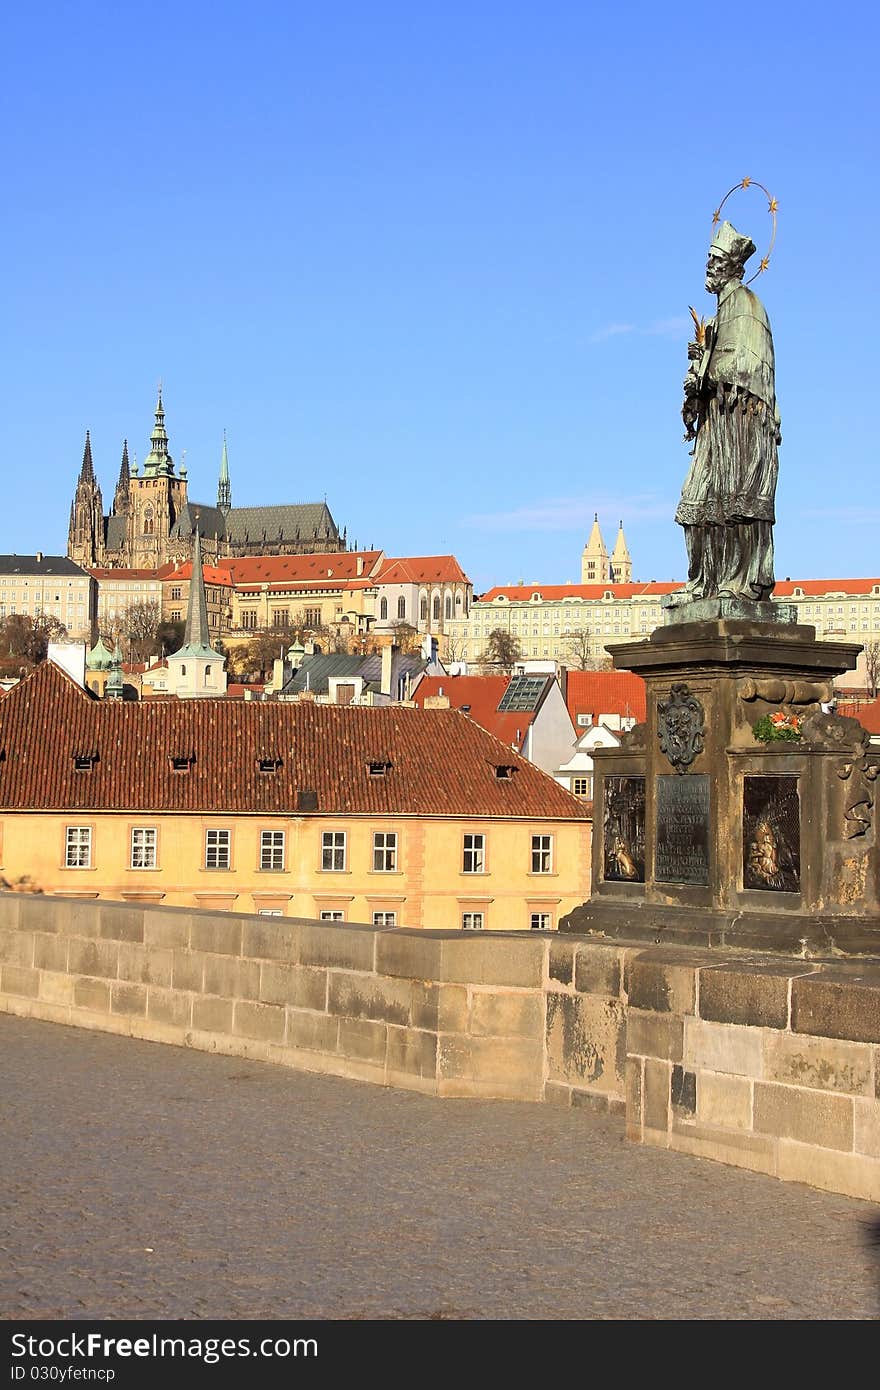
x=727 y=241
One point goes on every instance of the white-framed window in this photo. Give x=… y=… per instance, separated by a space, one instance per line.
x=542 y=854
x=540 y=921
x=270 y=912
x=472 y=921
x=218 y=847
x=385 y=851
x=384 y=919
x=144 y=844
x=332 y=914
x=272 y=849
x=78 y=847
x=333 y=852
x=582 y=786
x=474 y=859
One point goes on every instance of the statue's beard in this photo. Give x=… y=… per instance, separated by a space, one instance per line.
x=721 y=270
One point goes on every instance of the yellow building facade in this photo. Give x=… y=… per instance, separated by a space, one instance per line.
x=448 y=874
x=393 y=815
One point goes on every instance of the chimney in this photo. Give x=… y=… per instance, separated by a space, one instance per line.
x=388 y=655
x=39 y=557
x=360 y=565
x=438 y=701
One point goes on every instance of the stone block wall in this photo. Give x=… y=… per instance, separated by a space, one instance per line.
x=769 y=1064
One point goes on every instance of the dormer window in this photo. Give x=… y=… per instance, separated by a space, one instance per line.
x=183 y=762
x=378 y=768
x=269 y=765
x=84 y=762
x=504 y=771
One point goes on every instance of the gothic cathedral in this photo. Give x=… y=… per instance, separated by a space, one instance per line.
x=152 y=521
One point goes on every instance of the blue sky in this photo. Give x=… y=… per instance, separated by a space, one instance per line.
x=435 y=261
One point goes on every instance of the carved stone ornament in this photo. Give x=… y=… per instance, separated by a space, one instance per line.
x=680 y=724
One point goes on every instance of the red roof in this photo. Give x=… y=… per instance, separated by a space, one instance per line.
x=867 y=715
x=606 y=692
x=480 y=697
x=422 y=569
x=818 y=588
x=554 y=593
x=213 y=574
x=436 y=762
x=297 y=569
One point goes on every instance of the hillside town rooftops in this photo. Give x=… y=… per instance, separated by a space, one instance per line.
x=209 y=756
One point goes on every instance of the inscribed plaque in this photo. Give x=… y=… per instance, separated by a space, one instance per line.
x=623 y=806
x=771 y=834
x=682 y=850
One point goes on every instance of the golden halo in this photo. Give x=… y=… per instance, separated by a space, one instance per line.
x=772 y=205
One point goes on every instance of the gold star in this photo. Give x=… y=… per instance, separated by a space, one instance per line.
x=773 y=205
x=745 y=183
x=764 y=264
x=716 y=216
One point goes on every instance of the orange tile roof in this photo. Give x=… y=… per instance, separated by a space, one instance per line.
x=218 y=575
x=867 y=715
x=817 y=588
x=482 y=695
x=276 y=569
x=422 y=569
x=440 y=762
x=554 y=593
x=606 y=692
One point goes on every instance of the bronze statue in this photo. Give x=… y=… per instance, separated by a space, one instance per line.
x=729 y=411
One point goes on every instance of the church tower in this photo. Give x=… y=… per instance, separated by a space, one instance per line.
x=595 y=566
x=621 y=561
x=156 y=497
x=196 y=669
x=224 y=487
x=85 y=537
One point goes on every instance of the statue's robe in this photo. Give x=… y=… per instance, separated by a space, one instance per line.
x=727 y=502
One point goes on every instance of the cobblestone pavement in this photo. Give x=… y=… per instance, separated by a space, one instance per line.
x=145 y=1181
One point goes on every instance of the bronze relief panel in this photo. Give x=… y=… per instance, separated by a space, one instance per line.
x=623 y=811
x=771 y=834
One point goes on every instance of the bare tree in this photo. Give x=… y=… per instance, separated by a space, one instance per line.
x=578 y=651
x=502 y=650
x=139 y=623
x=28 y=638
x=872 y=666
x=405 y=637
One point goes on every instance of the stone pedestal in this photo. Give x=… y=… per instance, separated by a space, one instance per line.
x=704 y=833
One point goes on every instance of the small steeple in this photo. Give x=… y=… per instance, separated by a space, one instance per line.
x=621 y=561
x=196 y=636
x=595 y=568
x=224 y=487
x=121 y=497
x=113 y=690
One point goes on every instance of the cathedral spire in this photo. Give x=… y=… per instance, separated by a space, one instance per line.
x=87 y=472
x=224 y=487
x=121 y=497
x=158 y=461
